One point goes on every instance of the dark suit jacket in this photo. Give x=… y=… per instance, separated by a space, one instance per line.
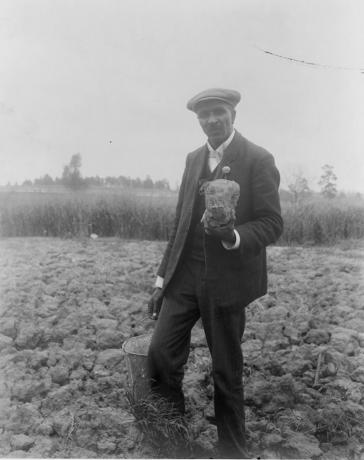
x=236 y=276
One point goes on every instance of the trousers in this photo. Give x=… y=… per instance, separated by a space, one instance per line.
x=187 y=299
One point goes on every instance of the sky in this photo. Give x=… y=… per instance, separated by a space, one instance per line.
x=110 y=79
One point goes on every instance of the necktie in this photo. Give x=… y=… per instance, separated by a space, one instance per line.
x=214 y=159
x=215 y=155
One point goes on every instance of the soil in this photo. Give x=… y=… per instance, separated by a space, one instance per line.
x=67 y=306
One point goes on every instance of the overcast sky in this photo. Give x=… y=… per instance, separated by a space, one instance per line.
x=77 y=74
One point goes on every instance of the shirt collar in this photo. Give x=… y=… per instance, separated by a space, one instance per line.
x=222 y=147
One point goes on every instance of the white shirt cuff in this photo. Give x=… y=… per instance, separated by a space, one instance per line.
x=159 y=282
x=230 y=246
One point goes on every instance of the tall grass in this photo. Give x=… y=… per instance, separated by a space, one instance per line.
x=129 y=215
x=322 y=221
x=80 y=214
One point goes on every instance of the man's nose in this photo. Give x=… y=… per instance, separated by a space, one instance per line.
x=211 y=118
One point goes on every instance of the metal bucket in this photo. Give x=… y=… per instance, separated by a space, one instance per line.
x=136 y=351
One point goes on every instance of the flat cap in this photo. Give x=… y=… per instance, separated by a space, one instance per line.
x=229 y=96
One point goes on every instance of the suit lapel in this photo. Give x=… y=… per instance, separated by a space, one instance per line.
x=230 y=154
x=190 y=196
x=198 y=167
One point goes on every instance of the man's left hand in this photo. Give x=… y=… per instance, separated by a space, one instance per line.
x=225 y=233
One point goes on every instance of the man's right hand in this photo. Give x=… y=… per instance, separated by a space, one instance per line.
x=155 y=303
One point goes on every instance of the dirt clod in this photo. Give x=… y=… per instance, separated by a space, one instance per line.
x=21 y=442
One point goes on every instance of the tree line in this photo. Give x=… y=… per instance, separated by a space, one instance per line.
x=72 y=178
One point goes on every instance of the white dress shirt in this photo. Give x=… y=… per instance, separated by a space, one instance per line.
x=215 y=155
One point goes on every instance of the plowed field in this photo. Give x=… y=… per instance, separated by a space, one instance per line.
x=67 y=306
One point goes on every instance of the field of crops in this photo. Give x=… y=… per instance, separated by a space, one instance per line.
x=67 y=305
x=143 y=215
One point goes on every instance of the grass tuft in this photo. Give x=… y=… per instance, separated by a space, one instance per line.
x=163 y=427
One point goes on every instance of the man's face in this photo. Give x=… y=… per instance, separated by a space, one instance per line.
x=216 y=120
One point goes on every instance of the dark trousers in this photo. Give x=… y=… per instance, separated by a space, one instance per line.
x=187 y=299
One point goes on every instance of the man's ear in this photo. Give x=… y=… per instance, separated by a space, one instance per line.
x=233 y=114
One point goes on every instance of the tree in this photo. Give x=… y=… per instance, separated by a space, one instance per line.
x=148 y=183
x=299 y=187
x=328 y=181
x=162 y=184
x=71 y=176
x=94 y=181
x=44 y=180
x=111 y=180
x=137 y=182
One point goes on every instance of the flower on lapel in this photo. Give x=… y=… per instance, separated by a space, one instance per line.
x=226 y=170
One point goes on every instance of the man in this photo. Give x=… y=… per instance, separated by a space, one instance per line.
x=214 y=274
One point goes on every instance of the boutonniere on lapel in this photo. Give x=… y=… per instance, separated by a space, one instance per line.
x=226 y=171
x=221 y=198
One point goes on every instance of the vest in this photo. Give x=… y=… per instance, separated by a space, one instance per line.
x=194 y=245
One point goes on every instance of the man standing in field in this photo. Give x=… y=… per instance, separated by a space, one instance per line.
x=214 y=273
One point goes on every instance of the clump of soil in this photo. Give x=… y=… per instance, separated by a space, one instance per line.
x=67 y=306
x=221 y=198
